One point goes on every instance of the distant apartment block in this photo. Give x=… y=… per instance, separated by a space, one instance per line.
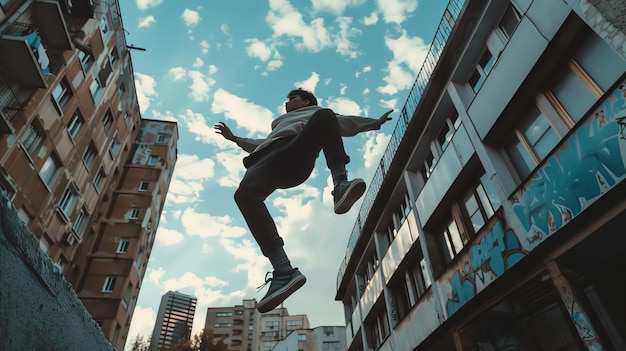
x=245 y=329
x=331 y=338
x=85 y=172
x=174 y=320
x=495 y=218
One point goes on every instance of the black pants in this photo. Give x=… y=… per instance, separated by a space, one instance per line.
x=284 y=164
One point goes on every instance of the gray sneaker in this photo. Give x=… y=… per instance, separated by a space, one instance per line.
x=281 y=287
x=346 y=193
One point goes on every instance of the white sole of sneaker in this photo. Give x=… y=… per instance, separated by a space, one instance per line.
x=352 y=194
x=281 y=294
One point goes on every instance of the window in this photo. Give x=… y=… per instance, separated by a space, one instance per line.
x=137 y=262
x=60 y=264
x=89 y=155
x=113 y=57
x=447 y=131
x=331 y=345
x=107 y=121
x=61 y=95
x=377 y=328
x=98 y=181
x=271 y=324
x=161 y=139
x=468 y=216
x=407 y=286
x=44 y=244
x=85 y=60
x=134 y=213
x=152 y=160
x=109 y=284
x=114 y=148
x=222 y=325
x=68 y=201
x=95 y=88
x=223 y=314
x=33 y=138
x=294 y=323
x=50 y=170
x=76 y=122
x=509 y=21
x=127 y=295
x=270 y=333
x=144 y=185
x=579 y=81
x=80 y=222
x=301 y=337
x=122 y=246
x=485 y=64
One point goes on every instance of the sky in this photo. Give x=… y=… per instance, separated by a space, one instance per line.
x=235 y=61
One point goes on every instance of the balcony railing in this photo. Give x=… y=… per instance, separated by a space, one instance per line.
x=451 y=14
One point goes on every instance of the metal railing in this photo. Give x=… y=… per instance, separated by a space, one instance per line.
x=451 y=14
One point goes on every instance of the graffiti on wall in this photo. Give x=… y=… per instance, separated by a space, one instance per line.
x=487 y=259
x=588 y=164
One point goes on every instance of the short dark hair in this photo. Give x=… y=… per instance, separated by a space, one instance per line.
x=304 y=95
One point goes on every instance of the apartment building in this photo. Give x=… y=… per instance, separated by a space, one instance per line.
x=174 y=320
x=315 y=339
x=495 y=218
x=85 y=172
x=245 y=329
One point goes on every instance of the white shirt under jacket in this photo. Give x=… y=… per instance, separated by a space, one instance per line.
x=292 y=123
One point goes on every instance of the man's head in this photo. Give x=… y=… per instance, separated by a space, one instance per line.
x=299 y=98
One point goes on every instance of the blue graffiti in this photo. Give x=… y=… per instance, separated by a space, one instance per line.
x=587 y=163
x=493 y=255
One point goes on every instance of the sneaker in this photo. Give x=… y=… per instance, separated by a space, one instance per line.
x=281 y=287
x=346 y=193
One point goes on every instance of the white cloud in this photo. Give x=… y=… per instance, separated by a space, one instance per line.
x=254 y=263
x=343 y=88
x=255 y=118
x=198 y=63
x=342 y=39
x=231 y=161
x=205 y=47
x=200 y=84
x=169 y=237
x=146 y=21
x=374 y=148
x=309 y=83
x=189 y=174
x=197 y=125
x=165 y=116
x=344 y=106
x=226 y=31
x=390 y=104
x=142 y=325
x=366 y=91
x=258 y=49
x=190 y=17
x=205 y=225
x=336 y=7
x=155 y=276
x=396 y=11
x=367 y=69
x=274 y=65
x=371 y=19
x=146 y=4
x=146 y=92
x=286 y=20
x=408 y=55
x=177 y=73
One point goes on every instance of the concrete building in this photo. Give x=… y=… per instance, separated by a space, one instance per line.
x=316 y=339
x=174 y=320
x=86 y=174
x=244 y=329
x=495 y=218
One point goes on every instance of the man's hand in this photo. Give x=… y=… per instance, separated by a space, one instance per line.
x=385 y=117
x=222 y=128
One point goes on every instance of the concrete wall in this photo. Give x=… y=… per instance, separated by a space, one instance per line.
x=614 y=11
x=38 y=307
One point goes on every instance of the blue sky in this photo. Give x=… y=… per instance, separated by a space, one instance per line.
x=235 y=61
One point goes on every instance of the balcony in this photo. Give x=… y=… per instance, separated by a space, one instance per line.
x=34 y=40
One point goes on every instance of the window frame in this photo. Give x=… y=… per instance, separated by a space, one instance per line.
x=75 y=125
x=122 y=246
x=109 y=284
x=49 y=175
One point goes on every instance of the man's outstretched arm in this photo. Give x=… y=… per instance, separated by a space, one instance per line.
x=247 y=144
x=222 y=128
